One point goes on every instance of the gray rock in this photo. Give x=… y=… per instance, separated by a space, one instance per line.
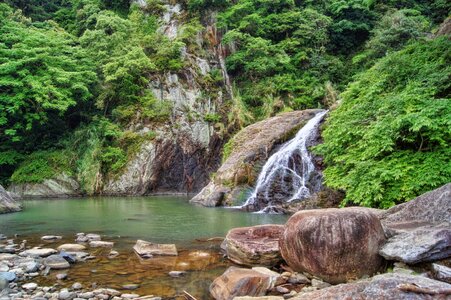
x=30 y=286
x=441 y=273
x=9 y=276
x=388 y=286
x=7 y=203
x=3 y=283
x=4 y=268
x=71 y=247
x=320 y=284
x=51 y=237
x=38 y=252
x=96 y=244
x=77 y=286
x=431 y=208
x=177 y=273
x=61 y=276
x=129 y=296
x=56 y=262
x=61 y=185
x=143 y=248
x=66 y=295
x=30 y=267
x=130 y=286
x=422 y=244
x=93 y=237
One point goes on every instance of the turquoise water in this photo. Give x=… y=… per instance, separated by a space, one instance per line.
x=160 y=219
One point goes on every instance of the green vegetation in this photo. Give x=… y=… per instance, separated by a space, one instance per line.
x=390 y=140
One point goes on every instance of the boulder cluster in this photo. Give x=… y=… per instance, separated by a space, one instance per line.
x=347 y=253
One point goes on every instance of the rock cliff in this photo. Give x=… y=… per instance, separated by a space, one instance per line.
x=7 y=203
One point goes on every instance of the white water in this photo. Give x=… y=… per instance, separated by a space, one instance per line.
x=282 y=165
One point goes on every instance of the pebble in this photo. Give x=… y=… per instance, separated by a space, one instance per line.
x=30 y=286
x=61 y=276
x=65 y=295
x=9 y=276
x=130 y=286
x=77 y=286
x=320 y=284
x=96 y=244
x=177 y=273
x=282 y=290
x=51 y=237
x=129 y=296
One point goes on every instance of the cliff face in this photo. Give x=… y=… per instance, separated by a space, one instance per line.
x=7 y=203
x=187 y=147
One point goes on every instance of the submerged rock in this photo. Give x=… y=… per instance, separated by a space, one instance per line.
x=148 y=249
x=56 y=262
x=7 y=203
x=51 y=237
x=71 y=247
x=249 y=149
x=257 y=245
x=96 y=244
x=242 y=282
x=388 y=286
x=334 y=244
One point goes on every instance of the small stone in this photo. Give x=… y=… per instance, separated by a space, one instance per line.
x=320 y=284
x=103 y=296
x=93 y=237
x=34 y=274
x=4 y=268
x=113 y=254
x=86 y=295
x=130 y=286
x=177 y=273
x=68 y=257
x=66 y=295
x=9 y=276
x=96 y=244
x=71 y=247
x=77 y=286
x=282 y=290
x=298 y=278
x=31 y=267
x=61 y=276
x=441 y=273
x=38 y=252
x=30 y=286
x=56 y=262
x=290 y=295
x=51 y=237
x=129 y=296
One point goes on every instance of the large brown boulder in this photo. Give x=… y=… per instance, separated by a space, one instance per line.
x=243 y=282
x=248 y=151
x=334 y=244
x=257 y=245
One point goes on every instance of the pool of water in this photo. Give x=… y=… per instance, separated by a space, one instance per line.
x=159 y=219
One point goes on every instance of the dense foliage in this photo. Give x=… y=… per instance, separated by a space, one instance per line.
x=75 y=75
x=390 y=139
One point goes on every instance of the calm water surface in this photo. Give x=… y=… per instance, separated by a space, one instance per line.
x=162 y=219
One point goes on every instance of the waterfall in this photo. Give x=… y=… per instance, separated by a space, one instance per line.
x=287 y=174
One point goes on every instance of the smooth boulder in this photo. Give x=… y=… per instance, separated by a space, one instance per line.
x=257 y=245
x=336 y=245
x=56 y=262
x=243 y=282
x=71 y=247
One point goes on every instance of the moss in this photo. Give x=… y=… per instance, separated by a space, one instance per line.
x=227 y=150
x=43 y=165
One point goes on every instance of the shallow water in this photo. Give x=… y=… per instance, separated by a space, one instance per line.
x=162 y=219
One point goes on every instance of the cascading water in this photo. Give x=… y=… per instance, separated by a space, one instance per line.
x=287 y=174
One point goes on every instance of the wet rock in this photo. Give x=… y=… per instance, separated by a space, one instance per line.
x=71 y=247
x=388 y=286
x=110 y=292
x=86 y=295
x=38 y=252
x=103 y=244
x=93 y=237
x=251 y=147
x=78 y=255
x=176 y=273
x=7 y=256
x=9 y=276
x=113 y=254
x=334 y=244
x=30 y=266
x=4 y=268
x=143 y=248
x=68 y=257
x=421 y=244
x=61 y=276
x=129 y=296
x=257 y=245
x=241 y=282
x=130 y=286
x=442 y=273
x=51 y=237
x=56 y=262
x=298 y=278
x=77 y=286
x=3 y=284
x=30 y=286
x=66 y=295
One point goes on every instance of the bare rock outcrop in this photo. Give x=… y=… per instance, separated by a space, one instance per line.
x=334 y=244
x=7 y=203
